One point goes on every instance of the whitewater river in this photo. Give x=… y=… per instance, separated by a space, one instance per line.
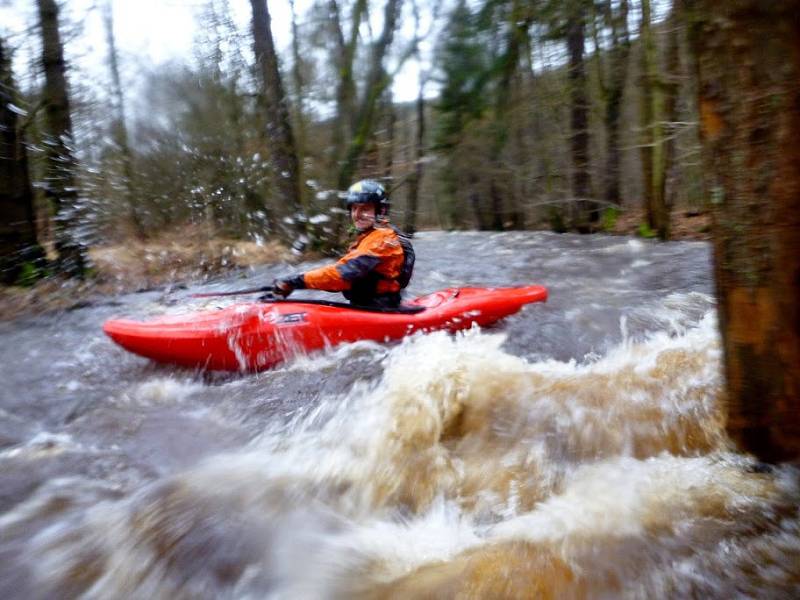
x=576 y=449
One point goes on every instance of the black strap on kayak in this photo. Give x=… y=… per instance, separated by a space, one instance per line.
x=400 y=310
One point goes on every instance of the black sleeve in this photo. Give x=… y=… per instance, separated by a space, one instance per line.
x=358 y=268
x=297 y=282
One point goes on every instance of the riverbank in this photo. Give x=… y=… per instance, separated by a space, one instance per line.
x=167 y=260
x=687 y=225
x=173 y=259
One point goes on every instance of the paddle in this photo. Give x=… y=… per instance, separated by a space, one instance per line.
x=259 y=290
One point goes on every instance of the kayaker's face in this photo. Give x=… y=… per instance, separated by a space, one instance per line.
x=363 y=216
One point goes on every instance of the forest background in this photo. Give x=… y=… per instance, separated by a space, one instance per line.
x=529 y=114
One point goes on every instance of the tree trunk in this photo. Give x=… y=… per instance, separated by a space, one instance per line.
x=391 y=118
x=477 y=210
x=748 y=62
x=412 y=203
x=18 y=244
x=119 y=129
x=376 y=83
x=646 y=116
x=669 y=86
x=653 y=138
x=344 y=122
x=60 y=187
x=300 y=118
x=497 y=205
x=518 y=24
x=278 y=134
x=579 y=118
x=618 y=71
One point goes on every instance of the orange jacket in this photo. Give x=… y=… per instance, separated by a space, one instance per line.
x=377 y=253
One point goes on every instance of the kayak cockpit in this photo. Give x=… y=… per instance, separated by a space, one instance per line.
x=403 y=309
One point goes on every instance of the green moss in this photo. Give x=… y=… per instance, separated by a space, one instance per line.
x=645 y=231
x=609 y=219
x=29 y=274
x=556 y=218
x=717 y=195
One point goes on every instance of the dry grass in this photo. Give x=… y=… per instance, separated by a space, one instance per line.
x=136 y=265
x=179 y=258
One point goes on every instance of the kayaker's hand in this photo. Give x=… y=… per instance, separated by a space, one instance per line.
x=286 y=285
x=281 y=287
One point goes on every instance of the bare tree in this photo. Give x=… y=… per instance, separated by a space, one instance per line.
x=272 y=98
x=18 y=244
x=519 y=20
x=360 y=130
x=344 y=124
x=377 y=81
x=390 y=122
x=60 y=189
x=119 y=127
x=299 y=88
x=653 y=136
x=663 y=177
x=749 y=97
x=579 y=116
x=612 y=92
x=418 y=146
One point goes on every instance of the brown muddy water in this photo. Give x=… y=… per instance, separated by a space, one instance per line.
x=576 y=450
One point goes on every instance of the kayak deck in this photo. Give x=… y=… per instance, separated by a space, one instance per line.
x=253 y=336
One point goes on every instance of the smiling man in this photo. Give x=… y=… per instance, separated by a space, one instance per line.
x=377 y=265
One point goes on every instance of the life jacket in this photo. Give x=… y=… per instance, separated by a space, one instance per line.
x=361 y=276
x=408 y=258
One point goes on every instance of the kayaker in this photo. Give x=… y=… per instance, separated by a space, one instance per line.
x=377 y=265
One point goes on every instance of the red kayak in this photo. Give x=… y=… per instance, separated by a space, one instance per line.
x=254 y=336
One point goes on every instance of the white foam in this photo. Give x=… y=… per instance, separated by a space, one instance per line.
x=333 y=357
x=162 y=391
x=330 y=486
x=624 y=497
x=43 y=444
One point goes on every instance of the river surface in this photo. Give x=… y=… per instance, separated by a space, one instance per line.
x=576 y=449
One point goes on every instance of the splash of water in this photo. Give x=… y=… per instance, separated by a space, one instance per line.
x=465 y=471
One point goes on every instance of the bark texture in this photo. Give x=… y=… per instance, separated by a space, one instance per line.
x=344 y=123
x=412 y=202
x=649 y=118
x=299 y=119
x=618 y=72
x=60 y=179
x=279 y=135
x=119 y=128
x=748 y=62
x=18 y=243
x=664 y=180
x=388 y=150
x=501 y=183
x=579 y=117
x=376 y=83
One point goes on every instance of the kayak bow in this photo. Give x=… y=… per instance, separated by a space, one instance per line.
x=254 y=336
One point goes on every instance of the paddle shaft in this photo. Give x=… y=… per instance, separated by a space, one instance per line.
x=258 y=290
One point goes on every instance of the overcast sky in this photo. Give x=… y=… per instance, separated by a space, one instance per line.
x=149 y=33
x=152 y=32
x=158 y=30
